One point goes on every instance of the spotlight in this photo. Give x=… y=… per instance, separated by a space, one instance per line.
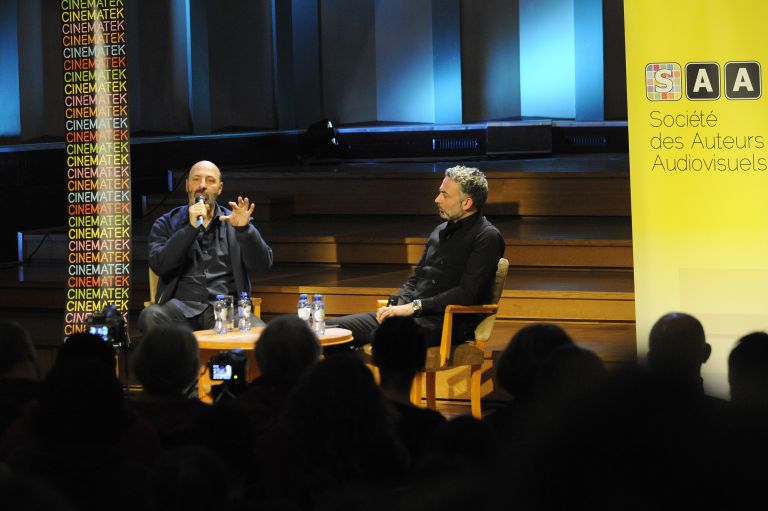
x=321 y=140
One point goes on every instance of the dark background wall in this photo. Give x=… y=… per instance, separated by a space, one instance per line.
x=236 y=81
x=203 y=66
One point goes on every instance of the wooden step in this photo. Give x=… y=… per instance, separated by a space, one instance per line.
x=571 y=185
x=560 y=296
x=603 y=242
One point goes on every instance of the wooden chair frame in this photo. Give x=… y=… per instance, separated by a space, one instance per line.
x=153 y=280
x=469 y=353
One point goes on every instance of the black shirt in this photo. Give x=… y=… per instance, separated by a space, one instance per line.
x=209 y=271
x=458 y=265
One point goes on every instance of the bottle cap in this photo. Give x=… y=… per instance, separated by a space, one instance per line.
x=243 y=294
x=303 y=295
x=219 y=297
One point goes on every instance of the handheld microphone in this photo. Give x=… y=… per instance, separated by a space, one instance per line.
x=199 y=200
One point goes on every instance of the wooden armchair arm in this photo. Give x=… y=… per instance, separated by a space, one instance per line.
x=471 y=309
x=256 y=306
x=459 y=309
x=450 y=310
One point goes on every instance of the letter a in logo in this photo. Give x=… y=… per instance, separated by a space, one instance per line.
x=743 y=80
x=702 y=80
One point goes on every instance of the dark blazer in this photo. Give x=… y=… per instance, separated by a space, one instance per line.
x=170 y=244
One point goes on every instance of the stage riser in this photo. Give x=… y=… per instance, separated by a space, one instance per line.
x=408 y=251
x=340 y=299
x=557 y=308
x=511 y=307
x=49 y=303
x=569 y=256
x=520 y=193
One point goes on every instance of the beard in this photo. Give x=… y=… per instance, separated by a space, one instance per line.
x=446 y=215
x=210 y=199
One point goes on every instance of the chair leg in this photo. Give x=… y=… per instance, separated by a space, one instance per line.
x=431 y=402
x=474 y=390
x=416 y=389
x=375 y=371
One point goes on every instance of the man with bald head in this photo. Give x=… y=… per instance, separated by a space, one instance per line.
x=677 y=348
x=200 y=250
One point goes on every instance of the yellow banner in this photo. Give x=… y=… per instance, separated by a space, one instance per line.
x=698 y=137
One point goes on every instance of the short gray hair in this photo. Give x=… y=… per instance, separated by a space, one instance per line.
x=472 y=183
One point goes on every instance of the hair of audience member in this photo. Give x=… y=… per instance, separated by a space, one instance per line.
x=341 y=396
x=17 y=353
x=81 y=401
x=341 y=426
x=472 y=183
x=286 y=349
x=521 y=360
x=677 y=345
x=748 y=370
x=90 y=346
x=570 y=373
x=167 y=360
x=399 y=346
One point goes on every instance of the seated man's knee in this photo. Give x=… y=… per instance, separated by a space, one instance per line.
x=151 y=317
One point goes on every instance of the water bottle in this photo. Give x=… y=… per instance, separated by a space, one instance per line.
x=318 y=315
x=244 y=312
x=230 y=316
x=220 y=315
x=302 y=308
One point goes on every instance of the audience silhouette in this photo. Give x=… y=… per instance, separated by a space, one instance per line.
x=80 y=435
x=19 y=372
x=400 y=351
x=336 y=434
x=677 y=348
x=166 y=363
x=320 y=434
x=517 y=371
x=748 y=372
x=286 y=349
x=748 y=380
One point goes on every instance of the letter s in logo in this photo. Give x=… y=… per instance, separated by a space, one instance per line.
x=663 y=81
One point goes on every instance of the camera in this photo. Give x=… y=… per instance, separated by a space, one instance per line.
x=221 y=372
x=109 y=324
x=229 y=365
x=231 y=369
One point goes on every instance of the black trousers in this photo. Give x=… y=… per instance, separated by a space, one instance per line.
x=363 y=325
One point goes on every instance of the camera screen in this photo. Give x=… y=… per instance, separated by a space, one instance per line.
x=100 y=330
x=221 y=372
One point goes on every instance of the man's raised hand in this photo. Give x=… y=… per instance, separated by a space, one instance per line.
x=241 y=212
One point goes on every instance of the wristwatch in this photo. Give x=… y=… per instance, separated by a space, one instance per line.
x=417 y=307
